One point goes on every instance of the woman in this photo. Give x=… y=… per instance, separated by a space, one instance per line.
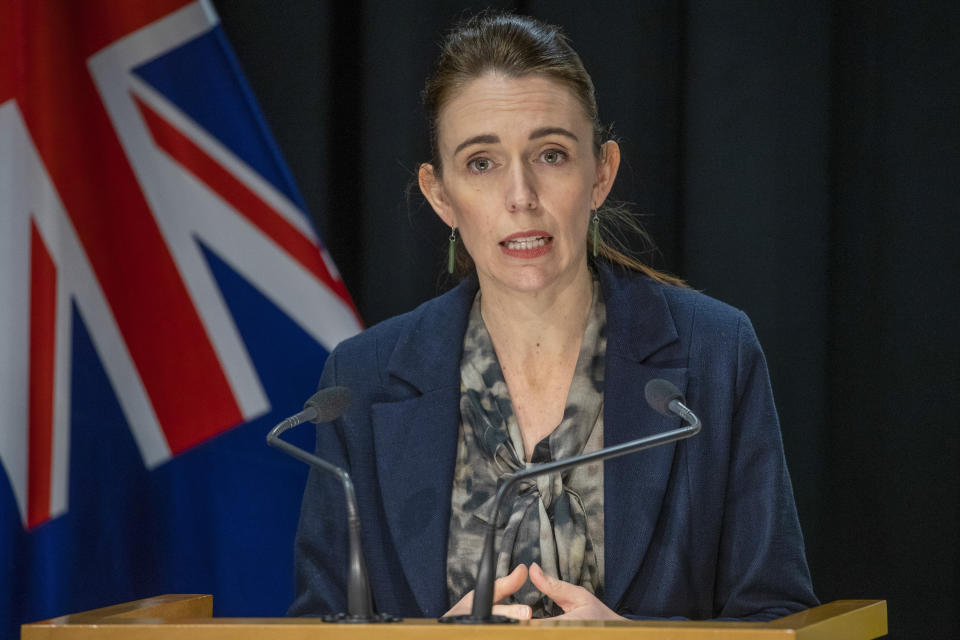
x=541 y=353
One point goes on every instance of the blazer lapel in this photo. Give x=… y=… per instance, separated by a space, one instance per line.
x=640 y=331
x=415 y=442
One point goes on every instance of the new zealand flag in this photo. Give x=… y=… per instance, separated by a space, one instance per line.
x=164 y=300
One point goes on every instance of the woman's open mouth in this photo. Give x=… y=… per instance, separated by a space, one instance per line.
x=527 y=245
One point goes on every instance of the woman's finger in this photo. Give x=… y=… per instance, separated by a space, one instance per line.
x=518 y=611
x=567 y=596
x=509 y=584
x=502 y=588
x=463 y=606
x=577 y=603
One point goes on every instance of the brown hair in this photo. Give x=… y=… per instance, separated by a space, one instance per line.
x=518 y=46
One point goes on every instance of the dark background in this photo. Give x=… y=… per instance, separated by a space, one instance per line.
x=797 y=160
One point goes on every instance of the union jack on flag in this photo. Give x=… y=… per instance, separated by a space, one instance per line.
x=164 y=300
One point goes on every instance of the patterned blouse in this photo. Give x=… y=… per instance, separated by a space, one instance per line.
x=555 y=521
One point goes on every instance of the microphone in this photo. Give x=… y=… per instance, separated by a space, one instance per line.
x=324 y=406
x=664 y=397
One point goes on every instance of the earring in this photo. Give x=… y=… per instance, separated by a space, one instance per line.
x=596 y=231
x=451 y=249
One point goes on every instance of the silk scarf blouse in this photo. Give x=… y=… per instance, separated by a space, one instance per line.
x=555 y=521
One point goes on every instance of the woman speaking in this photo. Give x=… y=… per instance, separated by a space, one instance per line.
x=541 y=353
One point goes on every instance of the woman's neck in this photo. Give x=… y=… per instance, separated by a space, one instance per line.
x=544 y=324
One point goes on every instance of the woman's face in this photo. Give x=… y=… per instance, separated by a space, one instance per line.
x=519 y=180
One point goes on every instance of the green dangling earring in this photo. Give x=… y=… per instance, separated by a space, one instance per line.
x=596 y=231
x=451 y=249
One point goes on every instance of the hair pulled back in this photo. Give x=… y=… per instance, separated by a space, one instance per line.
x=517 y=46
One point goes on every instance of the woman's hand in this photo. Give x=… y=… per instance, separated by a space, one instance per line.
x=577 y=603
x=503 y=587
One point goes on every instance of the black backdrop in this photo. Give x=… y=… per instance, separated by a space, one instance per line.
x=797 y=160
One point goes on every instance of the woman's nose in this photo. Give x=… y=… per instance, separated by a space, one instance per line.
x=521 y=192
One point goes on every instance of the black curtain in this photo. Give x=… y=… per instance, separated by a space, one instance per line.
x=798 y=160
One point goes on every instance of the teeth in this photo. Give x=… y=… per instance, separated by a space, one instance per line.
x=521 y=244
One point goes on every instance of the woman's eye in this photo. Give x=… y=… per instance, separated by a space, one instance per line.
x=553 y=156
x=480 y=165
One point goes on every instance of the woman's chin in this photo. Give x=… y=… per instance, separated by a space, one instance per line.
x=527 y=279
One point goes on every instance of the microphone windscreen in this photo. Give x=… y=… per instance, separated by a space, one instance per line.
x=659 y=393
x=330 y=403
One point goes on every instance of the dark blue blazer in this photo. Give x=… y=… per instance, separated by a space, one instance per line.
x=703 y=528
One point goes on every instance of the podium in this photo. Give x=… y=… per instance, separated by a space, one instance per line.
x=183 y=616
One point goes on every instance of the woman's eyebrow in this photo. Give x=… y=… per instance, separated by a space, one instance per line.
x=483 y=138
x=489 y=138
x=546 y=131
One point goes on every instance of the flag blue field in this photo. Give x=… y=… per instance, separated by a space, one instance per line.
x=165 y=301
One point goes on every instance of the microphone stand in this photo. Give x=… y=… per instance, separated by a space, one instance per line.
x=482 y=612
x=359 y=600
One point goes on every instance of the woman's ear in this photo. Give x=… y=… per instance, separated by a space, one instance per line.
x=432 y=188
x=606 y=172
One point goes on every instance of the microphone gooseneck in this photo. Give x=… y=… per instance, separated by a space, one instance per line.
x=324 y=406
x=664 y=397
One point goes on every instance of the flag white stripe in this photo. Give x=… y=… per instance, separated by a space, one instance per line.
x=15 y=309
x=60 y=468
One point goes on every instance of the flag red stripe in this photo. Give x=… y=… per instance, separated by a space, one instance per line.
x=242 y=198
x=43 y=314
x=11 y=49
x=75 y=137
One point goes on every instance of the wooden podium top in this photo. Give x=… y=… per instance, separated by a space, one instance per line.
x=183 y=616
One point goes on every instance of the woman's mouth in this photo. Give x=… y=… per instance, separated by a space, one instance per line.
x=526 y=243
x=526 y=246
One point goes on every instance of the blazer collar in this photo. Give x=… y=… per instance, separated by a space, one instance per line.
x=420 y=427
x=637 y=313
x=427 y=354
